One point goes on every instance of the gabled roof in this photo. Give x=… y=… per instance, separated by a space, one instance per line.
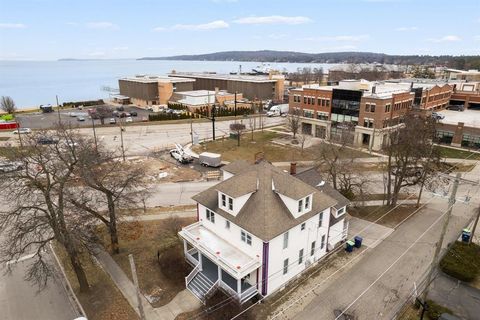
x=314 y=178
x=237 y=166
x=239 y=185
x=292 y=188
x=264 y=214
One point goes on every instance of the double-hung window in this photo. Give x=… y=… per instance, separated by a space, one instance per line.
x=302 y=226
x=245 y=237
x=312 y=249
x=323 y=242
x=211 y=216
x=285 y=240
x=230 y=203
x=320 y=219
x=300 y=206
x=300 y=256
x=285 y=266
x=224 y=200
x=307 y=202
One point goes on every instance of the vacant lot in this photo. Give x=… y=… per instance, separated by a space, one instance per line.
x=372 y=213
x=263 y=142
x=160 y=278
x=104 y=301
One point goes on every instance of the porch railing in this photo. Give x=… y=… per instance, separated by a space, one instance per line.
x=192 y=275
x=193 y=239
x=247 y=294
x=227 y=288
x=190 y=256
x=211 y=291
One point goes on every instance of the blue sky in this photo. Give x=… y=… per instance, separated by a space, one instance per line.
x=52 y=29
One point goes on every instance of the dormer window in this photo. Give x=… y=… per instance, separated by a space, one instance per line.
x=300 y=206
x=340 y=211
x=226 y=202
x=307 y=203
x=304 y=205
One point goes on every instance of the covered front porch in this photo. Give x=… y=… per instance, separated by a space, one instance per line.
x=233 y=272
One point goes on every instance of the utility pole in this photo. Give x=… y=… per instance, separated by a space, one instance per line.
x=121 y=140
x=135 y=282
x=438 y=248
x=191 y=129
x=235 y=105
x=58 y=109
x=474 y=226
x=213 y=122
x=94 y=133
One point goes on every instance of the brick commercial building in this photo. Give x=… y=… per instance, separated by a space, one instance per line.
x=146 y=90
x=260 y=87
x=205 y=98
x=374 y=109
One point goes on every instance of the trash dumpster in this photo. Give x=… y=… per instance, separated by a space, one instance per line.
x=349 y=246
x=358 y=241
x=466 y=233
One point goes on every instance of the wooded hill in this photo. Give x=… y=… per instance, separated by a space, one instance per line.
x=457 y=62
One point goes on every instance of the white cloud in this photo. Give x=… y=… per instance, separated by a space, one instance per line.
x=354 y=38
x=217 y=24
x=448 y=38
x=12 y=26
x=406 y=29
x=104 y=25
x=273 y=20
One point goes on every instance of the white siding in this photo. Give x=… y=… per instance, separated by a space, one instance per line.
x=237 y=203
x=297 y=240
x=335 y=234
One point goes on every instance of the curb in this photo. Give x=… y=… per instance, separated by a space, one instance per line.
x=67 y=286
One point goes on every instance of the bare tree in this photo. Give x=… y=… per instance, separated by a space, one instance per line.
x=330 y=160
x=103 y=112
x=238 y=128
x=302 y=138
x=38 y=208
x=411 y=158
x=111 y=184
x=7 y=104
x=293 y=121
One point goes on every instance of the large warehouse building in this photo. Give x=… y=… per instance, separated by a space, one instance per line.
x=253 y=87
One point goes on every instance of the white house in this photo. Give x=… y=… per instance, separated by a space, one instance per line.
x=258 y=229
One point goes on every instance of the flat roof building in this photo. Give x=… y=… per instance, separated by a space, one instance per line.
x=253 y=87
x=144 y=90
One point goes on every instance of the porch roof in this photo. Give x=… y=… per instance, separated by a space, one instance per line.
x=230 y=258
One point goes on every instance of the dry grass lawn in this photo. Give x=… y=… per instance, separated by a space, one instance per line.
x=372 y=213
x=160 y=279
x=104 y=301
x=262 y=142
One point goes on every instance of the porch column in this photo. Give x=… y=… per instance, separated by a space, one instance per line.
x=239 y=286
x=200 y=260
x=219 y=273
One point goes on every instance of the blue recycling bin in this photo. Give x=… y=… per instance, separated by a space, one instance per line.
x=358 y=241
x=466 y=233
x=349 y=246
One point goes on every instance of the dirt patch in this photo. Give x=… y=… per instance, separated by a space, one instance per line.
x=104 y=301
x=158 y=254
x=372 y=213
x=161 y=171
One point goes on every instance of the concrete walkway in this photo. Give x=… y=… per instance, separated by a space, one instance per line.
x=372 y=236
x=184 y=301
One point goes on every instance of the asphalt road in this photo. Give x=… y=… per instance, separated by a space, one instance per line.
x=385 y=276
x=19 y=299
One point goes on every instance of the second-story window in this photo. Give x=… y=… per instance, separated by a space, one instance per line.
x=320 y=219
x=300 y=256
x=302 y=226
x=285 y=266
x=285 y=240
x=312 y=249
x=245 y=237
x=322 y=244
x=211 y=216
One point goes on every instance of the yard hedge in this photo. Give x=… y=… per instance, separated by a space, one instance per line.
x=87 y=103
x=167 y=116
x=461 y=261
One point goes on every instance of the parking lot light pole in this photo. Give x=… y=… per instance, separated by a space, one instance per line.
x=58 y=109
x=121 y=140
x=94 y=134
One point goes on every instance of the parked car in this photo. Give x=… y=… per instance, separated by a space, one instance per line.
x=112 y=121
x=80 y=118
x=456 y=107
x=134 y=113
x=128 y=119
x=6 y=167
x=23 y=130
x=144 y=119
x=438 y=116
x=120 y=108
x=47 y=140
x=180 y=157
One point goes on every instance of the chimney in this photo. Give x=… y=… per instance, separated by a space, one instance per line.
x=293 y=168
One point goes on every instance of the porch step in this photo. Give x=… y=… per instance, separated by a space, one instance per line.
x=200 y=285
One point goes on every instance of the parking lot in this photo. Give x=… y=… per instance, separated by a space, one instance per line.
x=41 y=120
x=471 y=118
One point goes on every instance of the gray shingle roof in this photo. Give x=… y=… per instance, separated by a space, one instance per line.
x=236 y=166
x=264 y=214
